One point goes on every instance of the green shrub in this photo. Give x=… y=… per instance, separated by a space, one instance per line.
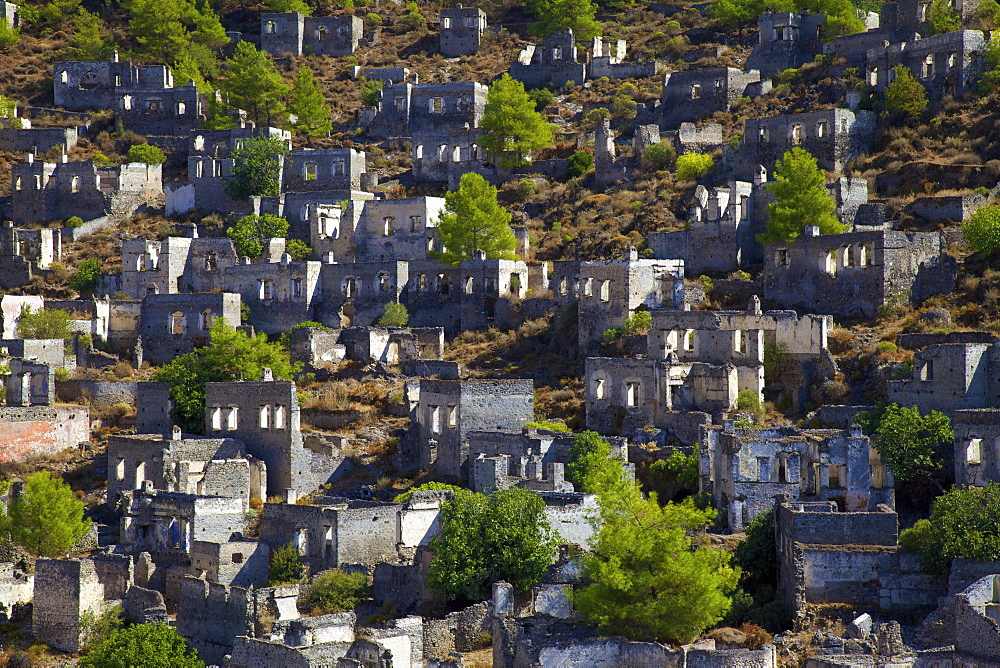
x=548 y=425
x=526 y=187
x=74 y=221
x=917 y=538
x=885 y=347
x=691 y=166
x=373 y=19
x=640 y=323
x=982 y=230
x=659 y=156
x=542 y=97
x=748 y=400
x=411 y=22
x=394 y=315
x=285 y=566
x=147 y=153
x=337 y=591
x=371 y=92
x=579 y=164
x=405 y=496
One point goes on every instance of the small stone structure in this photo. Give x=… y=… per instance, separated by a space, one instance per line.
x=856 y=272
x=694 y=94
x=950 y=377
x=744 y=469
x=316 y=35
x=977 y=446
x=462 y=30
x=174 y=324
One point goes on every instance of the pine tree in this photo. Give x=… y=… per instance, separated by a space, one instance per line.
x=309 y=106
x=46 y=520
x=253 y=84
x=88 y=42
x=285 y=6
x=556 y=15
x=799 y=187
x=474 y=220
x=256 y=168
x=905 y=94
x=159 y=28
x=513 y=128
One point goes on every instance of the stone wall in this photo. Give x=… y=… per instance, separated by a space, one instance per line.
x=25 y=431
x=99 y=394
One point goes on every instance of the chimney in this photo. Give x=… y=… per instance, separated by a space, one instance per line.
x=266 y=374
x=177 y=436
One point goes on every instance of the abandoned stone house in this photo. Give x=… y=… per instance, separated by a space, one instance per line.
x=377 y=230
x=947 y=64
x=22 y=251
x=744 y=469
x=701 y=361
x=532 y=458
x=462 y=30
x=544 y=630
x=826 y=555
x=317 y=348
x=265 y=416
x=950 y=377
x=723 y=224
x=334 y=532
x=740 y=338
x=214 y=467
x=444 y=413
x=171 y=325
x=44 y=191
x=833 y=136
x=9 y=12
x=329 y=175
x=175 y=264
x=310 y=35
x=722 y=232
x=166 y=524
x=609 y=292
x=277 y=293
x=786 y=40
x=556 y=62
x=856 y=273
x=143 y=97
x=445 y=155
x=30 y=420
x=409 y=109
x=694 y=94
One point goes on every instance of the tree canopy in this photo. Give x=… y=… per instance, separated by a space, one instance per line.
x=250 y=232
x=905 y=94
x=943 y=18
x=592 y=467
x=485 y=539
x=252 y=83
x=647 y=579
x=307 y=104
x=513 y=129
x=555 y=15
x=147 y=153
x=394 y=315
x=89 y=41
x=46 y=323
x=914 y=445
x=87 y=276
x=47 y=519
x=257 y=168
x=230 y=355
x=147 y=645
x=799 y=188
x=842 y=16
x=474 y=220
x=963 y=523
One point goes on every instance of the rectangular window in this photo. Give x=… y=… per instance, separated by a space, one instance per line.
x=75 y=184
x=231 y=419
x=265 y=289
x=437 y=105
x=696 y=91
x=588 y=287
x=296 y=287
x=452 y=417
x=216 y=418
x=264 y=421
x=835 y=482
x=310 y=171
x=435 y=420
x=279 y=417
x=600 y=388
x=446 y=23
x=339 y=168
x=605 y=291
x=632 y=394
x=973 y=451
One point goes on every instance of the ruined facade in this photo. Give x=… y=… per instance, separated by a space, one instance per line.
x=174 y=324
x=462 y=30
x=950 y=377
x=856 y=272
x=947 y=64
x=317 y=35
x=694 y=94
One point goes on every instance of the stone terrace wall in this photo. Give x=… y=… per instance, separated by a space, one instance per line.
x=28 y=430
